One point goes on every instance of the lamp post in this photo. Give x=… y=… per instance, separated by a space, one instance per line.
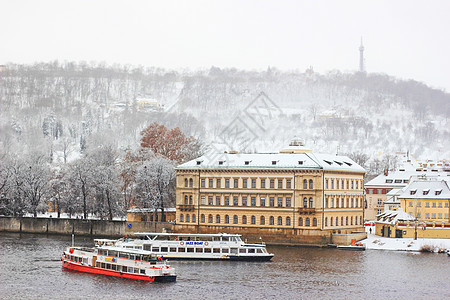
x=415 y=229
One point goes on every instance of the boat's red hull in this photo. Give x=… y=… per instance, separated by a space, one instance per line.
x=87 y=269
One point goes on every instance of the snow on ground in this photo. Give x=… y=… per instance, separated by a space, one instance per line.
x=402 y=244
x=74 y=216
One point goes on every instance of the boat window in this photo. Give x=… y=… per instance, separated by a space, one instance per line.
x=130 y=269
x=216 y=250
x=124 y=268
x=102 y=265
x=190 y=249
x=136 y=270
x=97 y=264
x=112 y=253
x=199 y=250
x=234 y=250
x=181 y=249
x=242 y=250
x=225 y=238
x=147 y=247
x=251 y=250
x=164 y=249
x=85 y=261
x=108 y=266
x=208 y=250
x=172 y=249
x=155 y=249
x=225 y=250
x=132 y=256
x=142 y=271
x=123 y=255
x=114 y=267
x=259 y=250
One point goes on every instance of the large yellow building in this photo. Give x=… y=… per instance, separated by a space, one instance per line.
x=295 y=191
x=427 y=199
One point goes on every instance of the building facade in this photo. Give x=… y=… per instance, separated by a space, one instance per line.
x=297 y=190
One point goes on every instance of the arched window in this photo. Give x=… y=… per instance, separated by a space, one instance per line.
x=227 y=219
x=263 y=220
x=186 y=200
x=235 y=219
x=253 y=220
x=280 y=221
x=188 y=218
x=210 y=218
x=311 y=185
x=244 y=219
x=326 y=221
x=190 y=200
x=271 y=220
x=337 y=202
x=311 y=204
x=346 y=221
x=288 y=221
x=337 y=221
x=351 y=220
x=326 y=203
x=193 y=218
x=342 y=221
x=300 y=221
x=202 y=218
x=181 y=218
x=314 y=222
x=307 y=222
x=218 y=219
x=191 y=182
x=331 y=221
x=185 y=182
x=305 y=184
x=305 y=202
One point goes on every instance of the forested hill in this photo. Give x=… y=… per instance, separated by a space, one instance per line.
x=77 y=105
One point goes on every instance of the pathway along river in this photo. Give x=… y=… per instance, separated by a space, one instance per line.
x=30 y=268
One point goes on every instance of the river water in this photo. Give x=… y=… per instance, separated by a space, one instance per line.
x=30 y=268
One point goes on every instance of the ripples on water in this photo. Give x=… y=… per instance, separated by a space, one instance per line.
x=30 y=268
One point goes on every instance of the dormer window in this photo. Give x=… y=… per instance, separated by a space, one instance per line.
x=412 y=192
x=425 y=192
x=339 y=163
x=348 y=164
x=438 y=192
x=398 y=181
x=388 y=180
x=199 y=162
x=247 y=162
x=328 y=162
x=300 y=162
x=274 y=162
x=220 y=162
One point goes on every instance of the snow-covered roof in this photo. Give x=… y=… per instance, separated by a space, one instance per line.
x=400 y=178
x=393 y=216
x=149 y=210
x=273 y=161
x=429 y=188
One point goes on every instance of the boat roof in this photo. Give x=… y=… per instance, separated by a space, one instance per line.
x=128 y=250
x=188 y=234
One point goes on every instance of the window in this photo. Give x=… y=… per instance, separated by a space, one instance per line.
x=380 y=191
x=326 y=221
x=217 y=200
x=337 y=203
x=235 y=219
x=218 y=183
x=210 y=200
x=262 y=220
x=307 y=222
x=262 y=201
x=210 y=183
x=227 y=183
x=217 y=219
x=370 y=191
x=314 y=222
x=253 y=220
x=311 y=184
x=186 y=201
x=202 y=218
x=185 y=182
x=288 y=183
x=263 y=183
x=244 y=201
x=181 y=218
x=280 y=221
x=210 y=218
x=280 y=202
x=235 y=200
x=244 y=183
x=380 y=201
x=300 y=221
x=202 y=182
x=280 y=183
x=227 y=219
x=253 y=201
x=288 y=202
x=190 y=200
x=433 y=216
x=346 y=221
x=331 y=202
x=427 y=216
x=353 y=202
x=434 y=204
x=446 y=204
x=244 y=219
x=326 y=184
x=347 y=185
x=188 y=218
x=348 y=202
x=397 y=181
x=446 y=216
x=305 y=184
x=352 y=184
x=191 y=182
x=337 y=184
x=332 y=184
x=311 y=203
x=412 y=192
x=271 y=220
x=326 y=202
x=253 y=183
x=440 y=204
x=271 y=201
x=202 y=199
x=227 y=200
x=337 y=221
x=272 y=183
x=288 y=221
x=193 y=218
x=419 y=204
x=342 y=221
x=357 y=185
x=439 y=216
x=236 y=183
x=427 y=204
x=331 y=221
x=351 y=220
x=305 y=202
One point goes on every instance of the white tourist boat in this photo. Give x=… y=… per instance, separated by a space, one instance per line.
x=220 y=246
x=118 y=262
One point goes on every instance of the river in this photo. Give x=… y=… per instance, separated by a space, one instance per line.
x=30 y=268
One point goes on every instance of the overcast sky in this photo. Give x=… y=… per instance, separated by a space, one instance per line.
x=407 y=39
